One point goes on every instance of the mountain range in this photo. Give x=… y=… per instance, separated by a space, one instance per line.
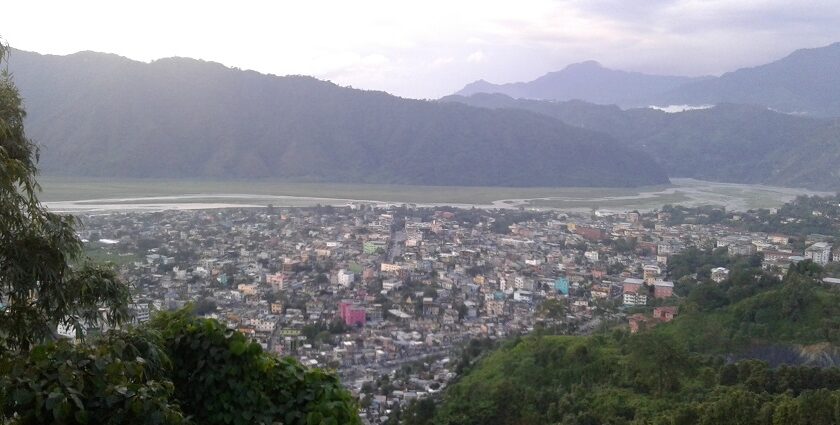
x=104 y=115
x=805 y=82
x=728 y=142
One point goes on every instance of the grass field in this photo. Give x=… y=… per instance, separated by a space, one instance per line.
x=106 y=254
x=80 y=194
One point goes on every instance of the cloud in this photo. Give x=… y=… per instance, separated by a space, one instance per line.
x=477 y=57
x=432 y=48
x=440 y=62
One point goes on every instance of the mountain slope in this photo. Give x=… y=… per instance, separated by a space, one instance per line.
x=731 y=143
x=104 y=115
x=806 y=82
x=586 y=81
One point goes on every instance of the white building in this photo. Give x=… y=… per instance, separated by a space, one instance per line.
x=522 y=296
x=719 y=274
x=819 y=253
x=635 y=298
x=345 y=277
x=141 y=312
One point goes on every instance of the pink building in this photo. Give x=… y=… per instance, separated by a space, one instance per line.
x=665 y=313
x=352 y=313
x=632 y=285
x=276 y=280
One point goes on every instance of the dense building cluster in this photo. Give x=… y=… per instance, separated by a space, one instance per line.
x=387 y=294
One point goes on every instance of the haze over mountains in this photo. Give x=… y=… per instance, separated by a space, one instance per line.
x=728 y=142
x=589 y=81
x=107 y=116
x=104 y=115
x=805 y=82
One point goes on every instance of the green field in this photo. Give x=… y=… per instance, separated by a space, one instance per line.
x=80 y=194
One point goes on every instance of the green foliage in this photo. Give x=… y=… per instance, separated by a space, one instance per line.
x=552 y=309
x=37 y=283
x=419 y=412
x=599 y=380
x=118 y=379
x=232 y=381
x=732 y=316
x=181 y=369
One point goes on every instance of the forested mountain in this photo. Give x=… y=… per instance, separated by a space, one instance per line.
x=588 y=81
x=103 y=115
x=729 y=142
x=805 y=82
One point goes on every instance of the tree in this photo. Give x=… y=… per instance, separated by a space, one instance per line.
x=235 y=382
x=552 y=309
x=660 y=358
x=146 y=375
x=120 y=378
x=205 y=306
x=37 y=248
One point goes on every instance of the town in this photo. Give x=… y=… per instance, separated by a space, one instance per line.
x=388 y=295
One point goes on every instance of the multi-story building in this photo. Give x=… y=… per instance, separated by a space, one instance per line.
x=663 y=289
x=819 y=253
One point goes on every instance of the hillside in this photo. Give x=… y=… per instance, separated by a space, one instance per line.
x=729 y=143
x=587 y=81
x=107 y=116
x=805 y=82
x=675 y=373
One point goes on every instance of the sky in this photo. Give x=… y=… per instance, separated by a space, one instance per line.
x=430 y=48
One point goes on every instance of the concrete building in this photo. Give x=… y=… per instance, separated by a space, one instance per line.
x=719 y=274
x=663 y=289
x=345 y=277
x=819 y=253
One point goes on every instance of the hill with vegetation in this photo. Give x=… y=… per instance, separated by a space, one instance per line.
x=107 y=116
x=754 y=349
x=729 y=142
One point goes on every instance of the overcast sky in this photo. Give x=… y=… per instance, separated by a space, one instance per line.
x=430 y=48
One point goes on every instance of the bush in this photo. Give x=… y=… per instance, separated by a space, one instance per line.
x=222 y=378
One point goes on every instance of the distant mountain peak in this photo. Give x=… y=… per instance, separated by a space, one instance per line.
x=589 y=81
x=590 y=64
